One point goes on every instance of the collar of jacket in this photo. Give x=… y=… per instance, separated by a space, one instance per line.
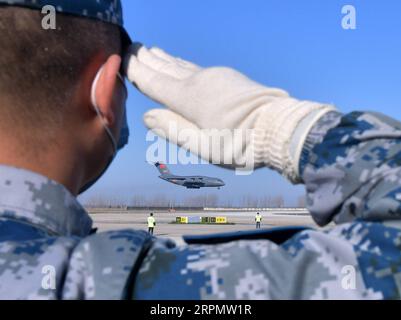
x=34 y=199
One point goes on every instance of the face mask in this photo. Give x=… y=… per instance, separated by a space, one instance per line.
x=124 y=133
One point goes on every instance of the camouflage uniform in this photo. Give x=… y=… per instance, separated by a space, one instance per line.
x=351 y=168
x=45 y=232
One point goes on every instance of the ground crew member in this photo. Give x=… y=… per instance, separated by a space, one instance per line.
x=62 y=122
x=258 y=219
x=151 y=224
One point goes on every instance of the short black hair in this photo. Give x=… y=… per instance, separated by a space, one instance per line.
x=39 y=69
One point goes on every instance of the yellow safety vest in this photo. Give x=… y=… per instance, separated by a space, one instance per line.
x=151 y=222
x=258 y=218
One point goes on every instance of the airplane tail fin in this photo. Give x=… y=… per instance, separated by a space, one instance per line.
x=162 y=168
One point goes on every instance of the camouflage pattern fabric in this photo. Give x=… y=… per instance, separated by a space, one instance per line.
x=109 y=11
x=45 y=234
x=351 y=168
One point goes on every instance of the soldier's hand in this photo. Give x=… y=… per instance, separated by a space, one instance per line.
x=218 y=113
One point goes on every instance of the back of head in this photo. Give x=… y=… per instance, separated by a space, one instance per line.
x=41 y=69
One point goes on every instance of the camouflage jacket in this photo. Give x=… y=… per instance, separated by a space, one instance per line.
x=351 y=169
x=46 y=247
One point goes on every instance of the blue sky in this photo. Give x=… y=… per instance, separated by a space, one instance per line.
x=299 y=46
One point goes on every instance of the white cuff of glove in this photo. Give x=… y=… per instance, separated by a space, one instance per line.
x=275 y=130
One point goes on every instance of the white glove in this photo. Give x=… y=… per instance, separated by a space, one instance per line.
x=256 y=123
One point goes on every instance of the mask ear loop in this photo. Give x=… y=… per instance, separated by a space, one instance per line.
x=121 y=78
x=99 y=113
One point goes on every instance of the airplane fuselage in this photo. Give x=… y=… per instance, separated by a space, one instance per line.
x=194 y=182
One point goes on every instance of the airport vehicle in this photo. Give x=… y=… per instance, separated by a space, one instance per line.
x=190 y=182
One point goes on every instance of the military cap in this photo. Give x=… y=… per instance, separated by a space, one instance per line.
x=109 y=11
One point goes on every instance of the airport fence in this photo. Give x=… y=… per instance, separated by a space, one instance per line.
x=127 y=209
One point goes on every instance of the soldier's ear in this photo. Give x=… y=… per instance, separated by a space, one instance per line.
x=105 y=88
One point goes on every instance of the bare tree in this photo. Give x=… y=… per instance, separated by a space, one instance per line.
x=159 y=200
x=99 y=201
x=301 y=203
x=138 y=200
x=212 y=200
x=96 y=201
x=250 y=201
x=209 y=200
x=228 y=203
x=278 y=202
x=265 y=201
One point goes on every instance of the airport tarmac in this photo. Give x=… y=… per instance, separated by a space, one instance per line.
x=116 y=220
